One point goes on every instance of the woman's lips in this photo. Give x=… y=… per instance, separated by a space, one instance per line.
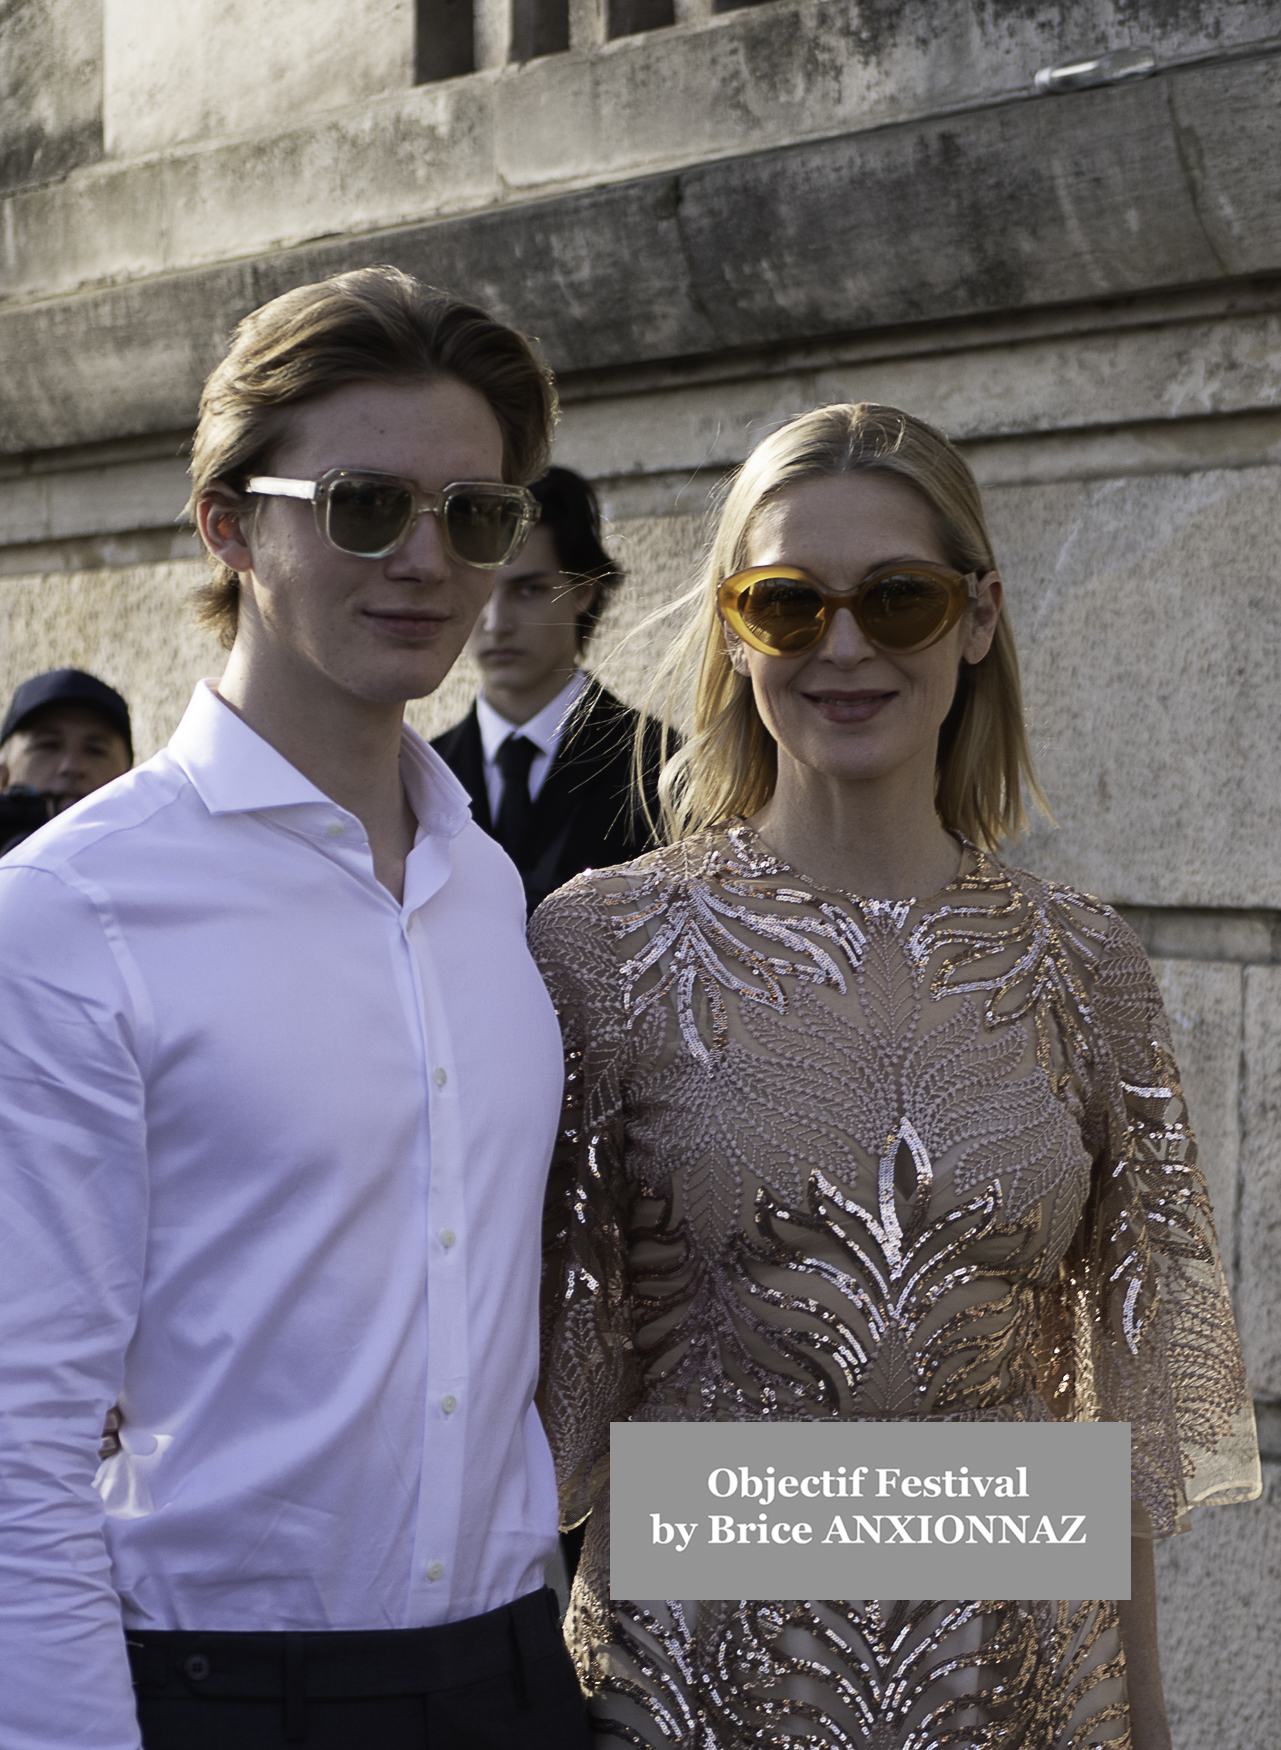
x=848 y=707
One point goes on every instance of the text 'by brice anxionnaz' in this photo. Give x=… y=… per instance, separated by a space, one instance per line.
x=765 y=1491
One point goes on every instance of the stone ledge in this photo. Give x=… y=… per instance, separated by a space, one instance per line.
x=116 y=499
x=145 y=547
x=322 y=131
x=1009 y=208
x=1225 y=302
x=1205 y=933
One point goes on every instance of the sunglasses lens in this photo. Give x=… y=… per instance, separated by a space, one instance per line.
x=485 y=527
x=782 y=613
x=904 y=609
x=367 y=517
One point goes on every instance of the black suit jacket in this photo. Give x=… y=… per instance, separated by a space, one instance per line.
x=584 y=816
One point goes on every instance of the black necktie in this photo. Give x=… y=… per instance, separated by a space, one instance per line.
x=514 y=758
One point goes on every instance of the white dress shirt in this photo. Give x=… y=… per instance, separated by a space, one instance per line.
x=272 y=1157
x=544 y=730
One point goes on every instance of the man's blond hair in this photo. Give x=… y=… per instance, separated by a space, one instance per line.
x=374 y=325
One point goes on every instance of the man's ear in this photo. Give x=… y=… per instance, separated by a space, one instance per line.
x=222 y=517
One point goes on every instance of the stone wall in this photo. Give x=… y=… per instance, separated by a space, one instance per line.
x=711 y=227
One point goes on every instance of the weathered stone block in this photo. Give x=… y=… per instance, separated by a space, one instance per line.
x=1149 y=630
x=1015 y=206
x=133 y=628
x=49 y=506
x=50 y=89
x=738 y=82
x=741 y=81
x=199 y=68
x=385 y=162
x=1161 y=372
x=1260 y=1279
x=1220 y=1630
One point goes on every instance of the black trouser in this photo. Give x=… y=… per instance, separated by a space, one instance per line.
x=502 y=1681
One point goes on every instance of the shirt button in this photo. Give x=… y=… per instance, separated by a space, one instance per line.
x=440 y=1078
x=448 y=1237
x=435 y=1570
x=335 y=829
x=449 y=1403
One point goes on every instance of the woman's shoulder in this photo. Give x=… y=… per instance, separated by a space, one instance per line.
x=1055 y=901
x=1033 y=945
x=586 y=935
x=1067 y=931
x=601 y=895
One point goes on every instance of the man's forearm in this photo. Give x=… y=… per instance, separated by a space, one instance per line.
x=73 y=1226
x=66 y=1680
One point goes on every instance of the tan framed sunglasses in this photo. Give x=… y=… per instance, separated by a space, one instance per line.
x=482 y=522
x=784 y=612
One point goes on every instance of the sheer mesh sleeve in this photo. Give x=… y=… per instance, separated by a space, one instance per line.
x=590 y=1377
x=1144 y=1331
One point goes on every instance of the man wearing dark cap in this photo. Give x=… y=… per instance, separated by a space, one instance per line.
x=65 y=734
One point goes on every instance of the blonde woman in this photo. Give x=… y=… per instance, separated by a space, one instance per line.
x=862 y=1122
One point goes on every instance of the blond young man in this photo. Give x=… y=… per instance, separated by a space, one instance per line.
x=278 y=1086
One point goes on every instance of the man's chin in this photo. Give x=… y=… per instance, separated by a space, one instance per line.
x=504 y=671
x=403 y=675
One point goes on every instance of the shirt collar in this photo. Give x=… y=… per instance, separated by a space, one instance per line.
x=234 y=771
x=544 y=730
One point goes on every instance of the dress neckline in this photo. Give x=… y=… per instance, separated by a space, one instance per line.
x=746 y=837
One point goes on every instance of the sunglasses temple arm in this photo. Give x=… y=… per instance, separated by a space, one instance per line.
x=273 y=486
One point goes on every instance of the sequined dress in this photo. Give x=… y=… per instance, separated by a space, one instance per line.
x=829 y=1157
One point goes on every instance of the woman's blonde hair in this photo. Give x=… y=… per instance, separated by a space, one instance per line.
x=728 y=763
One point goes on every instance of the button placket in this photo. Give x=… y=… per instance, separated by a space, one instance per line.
x=444 y=1456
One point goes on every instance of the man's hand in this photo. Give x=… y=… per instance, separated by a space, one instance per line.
x=110 y=1439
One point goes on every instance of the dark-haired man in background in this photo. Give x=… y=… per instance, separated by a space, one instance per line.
x=65 y=735
x=545 y=752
